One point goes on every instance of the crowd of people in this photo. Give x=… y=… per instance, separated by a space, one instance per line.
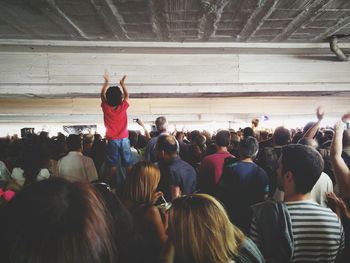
x=234 y=196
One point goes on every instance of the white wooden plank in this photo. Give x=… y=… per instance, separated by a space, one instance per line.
x=24 y=78
x=140 y=59
x=293 y=77
x=307 y=59
x=268 y=67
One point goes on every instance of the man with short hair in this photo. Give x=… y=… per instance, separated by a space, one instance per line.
x=75 y=166
x=298 y=230
x=211 y=166
x=150 y=153
x=177 y=177
x=243 y=183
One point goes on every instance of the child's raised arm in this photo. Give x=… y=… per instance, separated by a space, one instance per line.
x=125 y=90
x=105 y=86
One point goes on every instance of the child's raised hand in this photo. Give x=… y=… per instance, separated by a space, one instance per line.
x=106 y=76
x=121 y=82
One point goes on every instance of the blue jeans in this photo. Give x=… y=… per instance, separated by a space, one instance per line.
x=119 y=153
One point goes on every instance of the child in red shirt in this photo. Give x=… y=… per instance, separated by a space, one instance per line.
x=114 y=108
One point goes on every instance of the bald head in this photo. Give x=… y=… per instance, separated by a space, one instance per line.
x=167 y=143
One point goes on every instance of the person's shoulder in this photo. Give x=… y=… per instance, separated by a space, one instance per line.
x=249 y=252
x=261 y=170
x=151 y=212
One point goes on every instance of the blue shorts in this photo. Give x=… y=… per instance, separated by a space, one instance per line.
x=119 y=153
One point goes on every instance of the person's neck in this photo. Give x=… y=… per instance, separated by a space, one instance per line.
x=247 y=160
x=221 y=149
x=296 y=197
x=76 y=151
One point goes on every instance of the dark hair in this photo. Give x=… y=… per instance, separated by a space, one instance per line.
x=193 y=134
x=74 y=142
x=57 y=221
x=248 y=147
x=223 y=138
x=133 y=137
x=309 y=142
x=281 y=136
x=305 y=163
x=167 y=143
x=248 y=132
x=114 y=96
x=297 y=136
x=122 y=219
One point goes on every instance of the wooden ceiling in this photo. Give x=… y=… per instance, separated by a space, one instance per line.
x=175 y=20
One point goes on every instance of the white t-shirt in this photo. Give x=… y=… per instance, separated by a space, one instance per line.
x=77 y=167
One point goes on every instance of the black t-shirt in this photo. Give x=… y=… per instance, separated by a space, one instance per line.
x=242 y=185
x=177 y=173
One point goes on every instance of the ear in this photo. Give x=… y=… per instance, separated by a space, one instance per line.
x=289 y=177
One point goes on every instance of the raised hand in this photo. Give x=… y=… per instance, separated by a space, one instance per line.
x=106 y=76
x=121 y=82
x=140 y=122
x=320 y=113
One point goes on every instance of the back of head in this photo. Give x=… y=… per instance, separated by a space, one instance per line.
x=133 y=137
x=201 y=230
x=223 y=138
x=56 y=221
x=247 y=131
x=305 y=163
x=114 y=96
x=193 y=134
x=161 y=124
x=167 y=143
x=248 y=147
x=281 y=136
x=74 y=142
x=255 y=123
x=309 y=142
x=142 y=182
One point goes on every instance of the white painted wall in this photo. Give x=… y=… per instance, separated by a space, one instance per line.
x=69 y=83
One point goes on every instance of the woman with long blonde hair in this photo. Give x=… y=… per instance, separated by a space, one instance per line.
x=201 y=232
x=140 y=197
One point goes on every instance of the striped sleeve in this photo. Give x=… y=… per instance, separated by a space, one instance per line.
x=254 y=234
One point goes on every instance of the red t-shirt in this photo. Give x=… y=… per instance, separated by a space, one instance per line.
x=212 y=165
x=116 y=120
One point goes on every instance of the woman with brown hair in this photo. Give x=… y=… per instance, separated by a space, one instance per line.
x=140 y=197
x=201 y=232
x=56 y=221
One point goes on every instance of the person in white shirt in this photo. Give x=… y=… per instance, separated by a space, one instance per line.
x=75 y=166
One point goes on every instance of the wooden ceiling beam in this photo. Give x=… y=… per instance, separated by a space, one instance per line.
x=310 y=11
x=262 y=11
x=211 y=16
x=159 y=20
x=111 y=18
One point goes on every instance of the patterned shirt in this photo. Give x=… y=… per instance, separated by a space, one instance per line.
x=317 y=232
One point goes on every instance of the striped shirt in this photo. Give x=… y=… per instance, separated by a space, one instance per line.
x=317 y=232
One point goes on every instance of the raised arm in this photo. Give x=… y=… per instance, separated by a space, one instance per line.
x=105 y=86
x=341 y=171
x=125 y=90
x=140 y=122
x=310 y=133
